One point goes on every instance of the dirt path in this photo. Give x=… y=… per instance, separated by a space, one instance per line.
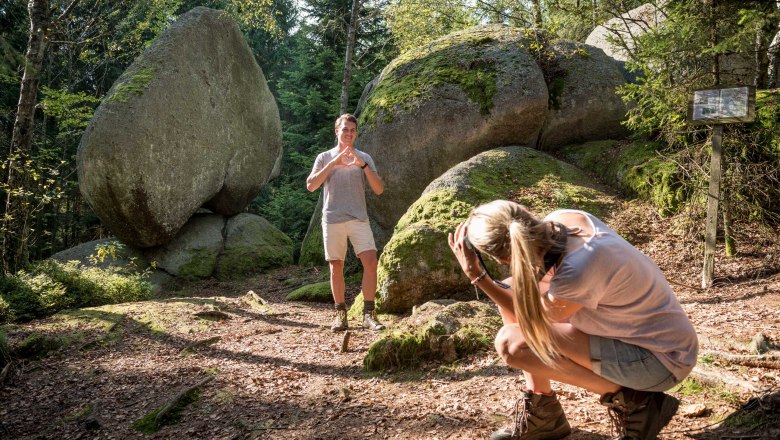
x=279 y=373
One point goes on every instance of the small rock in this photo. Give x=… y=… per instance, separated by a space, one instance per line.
x=760 y=344
x=694 y=410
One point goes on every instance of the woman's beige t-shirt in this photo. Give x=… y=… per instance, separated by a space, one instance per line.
x=625 y=296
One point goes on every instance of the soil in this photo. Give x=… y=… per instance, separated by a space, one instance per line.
x=278 y=370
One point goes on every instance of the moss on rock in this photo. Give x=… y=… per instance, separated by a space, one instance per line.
x=636 y=168
x=465 y=59
x=132 y=83
x=149 y=423
x=200 y=264
x=38 y=345
x=252 y=245
x=317 y=292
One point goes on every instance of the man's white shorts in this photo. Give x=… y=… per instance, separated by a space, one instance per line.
x=335 y=237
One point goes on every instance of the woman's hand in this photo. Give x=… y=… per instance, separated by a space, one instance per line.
x=467 y=258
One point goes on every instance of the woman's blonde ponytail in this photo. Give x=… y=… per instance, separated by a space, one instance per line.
x=505 y=230
x=529 y=310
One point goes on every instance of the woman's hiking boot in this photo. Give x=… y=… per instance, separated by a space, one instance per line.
x=340 y=322
x=370 y=322
x=639 y=415
x=537 y=417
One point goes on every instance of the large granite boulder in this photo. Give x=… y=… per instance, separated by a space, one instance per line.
x=105 y=253
x=417 y=265
x=618 y=39
x=190 y=124
x=474 y=90
x=616 y=36
x=584 y=104
x=226 y=248
x=442 y=103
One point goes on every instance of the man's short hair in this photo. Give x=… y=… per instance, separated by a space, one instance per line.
x=346 y=117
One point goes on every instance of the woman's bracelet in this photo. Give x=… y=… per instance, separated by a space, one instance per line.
x=479 y=277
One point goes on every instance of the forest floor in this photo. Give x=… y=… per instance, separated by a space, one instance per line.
x=277 y=371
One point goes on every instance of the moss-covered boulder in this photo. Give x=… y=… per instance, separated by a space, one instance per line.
x=473 y=90
x=312 y=249
x=442 y=330
x=417 y=265
x=252 y=245
x=192 y=254
x=190 y=124
x=444 y=102
x=636 y=168
x=317 y=292
x=111 y=253
x=211 y=245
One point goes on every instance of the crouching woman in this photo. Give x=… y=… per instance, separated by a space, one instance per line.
x=582 y=307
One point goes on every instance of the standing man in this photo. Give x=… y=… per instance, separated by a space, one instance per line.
x=344 y=171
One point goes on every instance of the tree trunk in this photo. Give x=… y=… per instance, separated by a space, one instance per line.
x=17 y=209
x=774 y=62
x=714 y=42
x=19 y=205
x=537 y=5
x=762 y=48
x=344 y=105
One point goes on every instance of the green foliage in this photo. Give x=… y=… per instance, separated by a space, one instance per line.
x=675 y=59
x=71 y=111
x=416 y=23
x=49 y=286
x=752 y=158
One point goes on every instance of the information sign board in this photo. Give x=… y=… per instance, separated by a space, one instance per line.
x=723 y=105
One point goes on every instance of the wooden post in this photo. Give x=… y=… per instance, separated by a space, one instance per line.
x=713 y=197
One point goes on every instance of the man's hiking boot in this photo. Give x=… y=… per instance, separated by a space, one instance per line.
x=370 y=322
x=340 y=322
x=537 y=417
x=639 y=415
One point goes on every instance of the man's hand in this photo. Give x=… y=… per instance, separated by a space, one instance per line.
x=354 y=157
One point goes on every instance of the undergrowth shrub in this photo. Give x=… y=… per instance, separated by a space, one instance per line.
x=49 y=286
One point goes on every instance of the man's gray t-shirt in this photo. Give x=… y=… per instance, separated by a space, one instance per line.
x=344 y=192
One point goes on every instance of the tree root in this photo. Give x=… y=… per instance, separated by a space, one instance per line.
x=5 y=371
x=178 y=399
x=212 y=315
x=198 y=344
x=717 y=377
x=768 y=360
